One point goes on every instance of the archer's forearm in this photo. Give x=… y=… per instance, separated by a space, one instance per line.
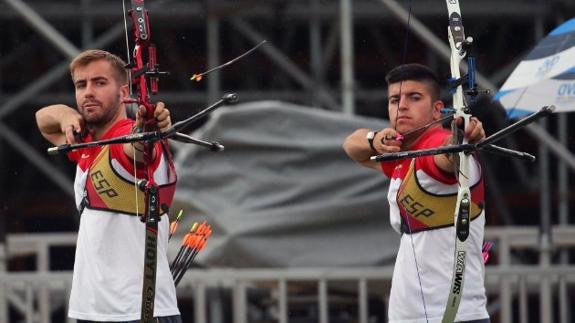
x=357 y=147
x=135 y=151
x=51 y=119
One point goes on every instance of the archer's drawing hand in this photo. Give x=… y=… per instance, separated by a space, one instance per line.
x=385 y=141
x=73 y=127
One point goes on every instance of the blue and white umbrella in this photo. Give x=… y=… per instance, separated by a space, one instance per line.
x=545 y=77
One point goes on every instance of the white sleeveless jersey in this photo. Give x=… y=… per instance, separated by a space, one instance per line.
x=108 y=270
x=430 y=269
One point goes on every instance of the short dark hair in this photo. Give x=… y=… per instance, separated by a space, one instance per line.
x=415 y=72
x=92 y=55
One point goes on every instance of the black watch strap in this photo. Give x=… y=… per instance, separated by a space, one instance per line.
x=370 y=136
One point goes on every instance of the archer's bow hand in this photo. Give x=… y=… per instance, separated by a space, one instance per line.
x=474 y=131
x=159 y=121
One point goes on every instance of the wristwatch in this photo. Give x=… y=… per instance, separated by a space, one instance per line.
x=370 y=136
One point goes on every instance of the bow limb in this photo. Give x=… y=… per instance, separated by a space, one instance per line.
x=144 y=80
x=458 y=42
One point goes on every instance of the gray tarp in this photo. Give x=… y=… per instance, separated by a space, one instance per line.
x=283 y=193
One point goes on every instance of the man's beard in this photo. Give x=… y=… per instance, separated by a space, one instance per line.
x=99 y=120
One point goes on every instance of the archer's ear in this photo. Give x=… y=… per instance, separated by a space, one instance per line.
x=437 y=106
x=125 y=90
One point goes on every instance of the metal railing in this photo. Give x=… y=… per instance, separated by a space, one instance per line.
x=512 y=287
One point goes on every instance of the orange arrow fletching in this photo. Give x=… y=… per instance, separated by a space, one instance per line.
x=197 y=241
x=202 y=244
x=187 y=238
x=173 y=227
x=196 y=77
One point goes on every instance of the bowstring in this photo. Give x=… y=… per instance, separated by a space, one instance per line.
x=404 y=60
x=128 y=60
